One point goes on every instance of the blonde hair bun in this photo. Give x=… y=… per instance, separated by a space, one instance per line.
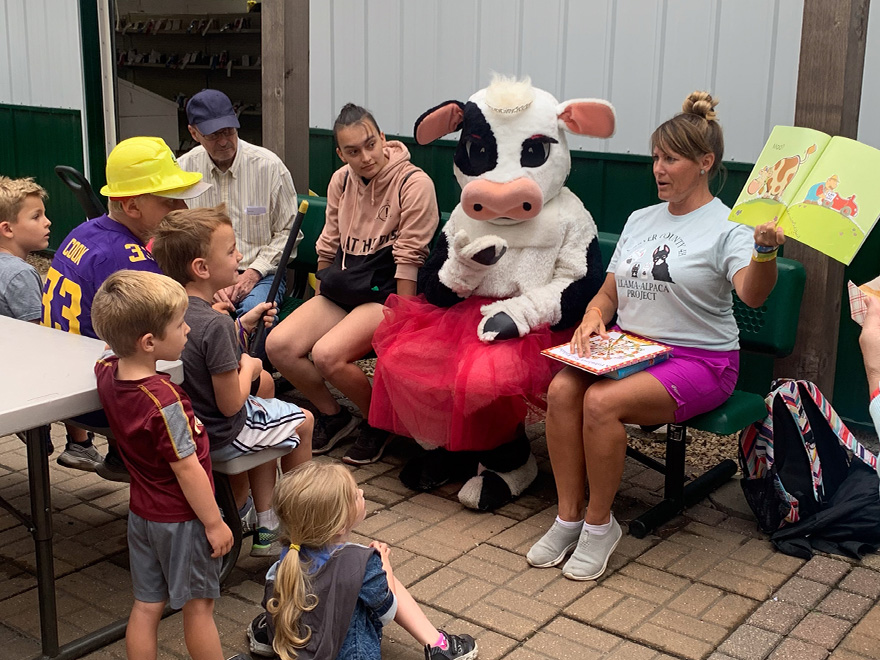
x=701 y=104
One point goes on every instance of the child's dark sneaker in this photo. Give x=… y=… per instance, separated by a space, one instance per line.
x=266 y=542
x=112 y=468
x=330 y=429
x=258 y=636
x=369 y=446
x=459 y=647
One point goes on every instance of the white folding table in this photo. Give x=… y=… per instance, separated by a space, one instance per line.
x=48 y=375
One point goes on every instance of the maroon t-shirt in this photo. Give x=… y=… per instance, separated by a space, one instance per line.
x=154 y=425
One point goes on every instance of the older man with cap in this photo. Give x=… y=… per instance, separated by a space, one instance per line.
x=144 y=183
x=254 y=184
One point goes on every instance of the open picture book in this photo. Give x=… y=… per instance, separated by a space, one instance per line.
x=618 y=356
x=822 y=190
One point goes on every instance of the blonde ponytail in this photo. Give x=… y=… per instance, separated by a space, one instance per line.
x=292 y=598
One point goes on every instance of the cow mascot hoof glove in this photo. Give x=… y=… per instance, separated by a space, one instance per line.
x=459 y=366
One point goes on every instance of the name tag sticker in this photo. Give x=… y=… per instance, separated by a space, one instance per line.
x=255 y=210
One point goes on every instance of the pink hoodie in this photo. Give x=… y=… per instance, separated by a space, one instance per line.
x=397 y=206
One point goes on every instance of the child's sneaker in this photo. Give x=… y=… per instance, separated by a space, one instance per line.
x=460 y=647
x=369 y=446
x=330 y=429
x=266 y=542
x=248 y=515
x=80 y=457
x=112 y=468
x=258 y=636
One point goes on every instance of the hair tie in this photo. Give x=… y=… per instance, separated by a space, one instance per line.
x=294 y=546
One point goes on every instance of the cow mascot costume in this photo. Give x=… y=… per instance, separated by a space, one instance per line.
x=460 y=367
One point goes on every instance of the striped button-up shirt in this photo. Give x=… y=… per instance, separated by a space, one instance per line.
x=260 y=199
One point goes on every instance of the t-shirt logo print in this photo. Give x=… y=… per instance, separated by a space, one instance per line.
x=384 y=212
x=660 y=271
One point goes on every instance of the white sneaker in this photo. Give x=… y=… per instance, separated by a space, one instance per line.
x=590 y=558
x=554 y=545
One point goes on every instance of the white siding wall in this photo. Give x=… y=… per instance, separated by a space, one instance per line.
x=401 y=57
x=40 y=55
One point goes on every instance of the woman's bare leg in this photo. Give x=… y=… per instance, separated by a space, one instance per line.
x=564 y=426
x=349 y=340
x=289 y=344
x=637 y=399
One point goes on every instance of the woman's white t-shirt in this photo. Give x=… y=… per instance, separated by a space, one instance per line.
x=674 y=275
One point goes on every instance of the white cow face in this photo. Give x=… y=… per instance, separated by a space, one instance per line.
x=512 y=156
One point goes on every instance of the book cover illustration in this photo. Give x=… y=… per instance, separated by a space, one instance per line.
x=611 y=355
x=821 y=190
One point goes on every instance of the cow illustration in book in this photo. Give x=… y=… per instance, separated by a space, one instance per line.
x=459 y=367
x=771 y=182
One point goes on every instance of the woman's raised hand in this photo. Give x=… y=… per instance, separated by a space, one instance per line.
x=591 y=325
x=769 y=235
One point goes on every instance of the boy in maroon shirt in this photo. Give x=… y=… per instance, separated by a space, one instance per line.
x=176 y=535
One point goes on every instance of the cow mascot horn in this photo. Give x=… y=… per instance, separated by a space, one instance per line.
x=459 y=367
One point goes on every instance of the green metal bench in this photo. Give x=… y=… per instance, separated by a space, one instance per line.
x=765 y=333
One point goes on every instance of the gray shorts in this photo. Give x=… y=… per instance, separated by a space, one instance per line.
x=171 y=562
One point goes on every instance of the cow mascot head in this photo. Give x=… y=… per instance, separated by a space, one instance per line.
x=511 y=274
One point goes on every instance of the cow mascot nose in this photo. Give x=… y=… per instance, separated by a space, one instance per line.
x=459 y=367
x=520 y=199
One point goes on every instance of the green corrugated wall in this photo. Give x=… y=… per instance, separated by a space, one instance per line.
x=35 y=141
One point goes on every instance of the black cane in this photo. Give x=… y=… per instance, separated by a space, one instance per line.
x=281 y=272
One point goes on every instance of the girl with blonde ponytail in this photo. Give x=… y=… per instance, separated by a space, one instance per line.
x=327 y=597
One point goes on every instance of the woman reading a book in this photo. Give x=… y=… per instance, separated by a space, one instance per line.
x=670 y=279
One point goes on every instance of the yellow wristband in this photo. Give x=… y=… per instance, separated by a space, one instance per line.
x=762 y=257
x=598 y=311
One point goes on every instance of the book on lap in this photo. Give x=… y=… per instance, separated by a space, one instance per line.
x=618 y=356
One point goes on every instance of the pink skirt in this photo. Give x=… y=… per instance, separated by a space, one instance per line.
x=437 y=382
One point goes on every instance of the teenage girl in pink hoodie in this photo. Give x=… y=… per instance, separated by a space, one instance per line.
x=381 y=216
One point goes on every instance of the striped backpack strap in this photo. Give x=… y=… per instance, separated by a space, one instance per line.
x=847 y=439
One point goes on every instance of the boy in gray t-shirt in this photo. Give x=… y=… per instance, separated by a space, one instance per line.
x=24 y=228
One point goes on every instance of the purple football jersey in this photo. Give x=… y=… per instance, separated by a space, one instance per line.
x=89 y=255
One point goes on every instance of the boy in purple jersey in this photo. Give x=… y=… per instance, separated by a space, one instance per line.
x=144 y=183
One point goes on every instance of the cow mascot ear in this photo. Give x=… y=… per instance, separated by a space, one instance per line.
x=440 y=120
x=593 y=117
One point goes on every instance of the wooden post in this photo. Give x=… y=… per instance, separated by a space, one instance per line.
x=829 y=91
x=285 y=46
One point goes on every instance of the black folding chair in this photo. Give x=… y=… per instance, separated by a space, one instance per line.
x=82 y=190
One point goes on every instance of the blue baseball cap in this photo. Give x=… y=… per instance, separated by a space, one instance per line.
x=210 y=111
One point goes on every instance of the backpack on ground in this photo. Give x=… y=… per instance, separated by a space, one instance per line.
x=794 y=461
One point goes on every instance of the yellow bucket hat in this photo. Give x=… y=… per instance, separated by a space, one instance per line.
x=145 y=165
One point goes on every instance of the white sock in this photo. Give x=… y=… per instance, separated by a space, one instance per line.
x=567 y=524
x=598 y=530
x=267 y=519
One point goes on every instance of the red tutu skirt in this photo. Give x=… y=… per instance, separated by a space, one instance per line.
x=435 y=381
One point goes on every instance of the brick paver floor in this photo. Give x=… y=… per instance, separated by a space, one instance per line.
x=708 y=585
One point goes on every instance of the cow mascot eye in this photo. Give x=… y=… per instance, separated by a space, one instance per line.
x=535 y=151
x=480 y=157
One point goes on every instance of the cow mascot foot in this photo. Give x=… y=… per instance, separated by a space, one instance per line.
x=432 y=469
x=503 y=474
x=460 y=365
